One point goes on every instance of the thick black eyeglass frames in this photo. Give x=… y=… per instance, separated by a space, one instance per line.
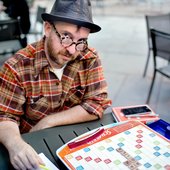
x=66 y=41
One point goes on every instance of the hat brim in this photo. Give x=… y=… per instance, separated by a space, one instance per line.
x=51 y=18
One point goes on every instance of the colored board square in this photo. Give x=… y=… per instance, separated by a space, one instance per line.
x=156 y=142
x=137 y=158
x=157 y=166
x=152 y=135
x=108 y=140
x=147 y=165
x=97 y=160
x=138 y=152
x=138 y=146
x=121 y=139
x=110 y=149
x=86 y=149
x=79 y=168
x=127 y=132
x=156 y=153
x=101 y=148
x=107 y=161
x=117 y=162
x=78 y=157
x=139 y=141
x=139 y=136
x=166 y=154
x=69 y=156
x=88 y=158
x=140 y=131
x=120 y=144
x=157 y=148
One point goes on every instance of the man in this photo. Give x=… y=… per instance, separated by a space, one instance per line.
x=56 y=81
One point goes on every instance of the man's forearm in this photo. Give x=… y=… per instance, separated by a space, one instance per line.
x=73 y=115
x=9 y=132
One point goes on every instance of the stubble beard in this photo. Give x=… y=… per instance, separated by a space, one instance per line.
x=54 y=56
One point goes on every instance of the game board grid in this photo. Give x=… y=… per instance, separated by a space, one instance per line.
x=106 y=155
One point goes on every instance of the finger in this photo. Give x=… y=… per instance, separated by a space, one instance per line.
x=40 y=160
x=34 y=159
x=17 y=164
x=25 y=162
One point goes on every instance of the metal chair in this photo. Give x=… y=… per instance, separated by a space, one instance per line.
x=158 y=22
x=37 y=29
x=10 y=36
x=161 y=49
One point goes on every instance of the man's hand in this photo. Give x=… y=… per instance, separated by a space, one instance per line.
x=23 y=156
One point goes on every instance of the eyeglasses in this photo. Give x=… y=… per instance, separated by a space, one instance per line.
x=66 y=41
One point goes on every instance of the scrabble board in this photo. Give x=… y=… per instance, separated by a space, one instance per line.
x=130 y=145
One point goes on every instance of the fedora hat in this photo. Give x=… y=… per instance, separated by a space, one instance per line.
x=77 y=12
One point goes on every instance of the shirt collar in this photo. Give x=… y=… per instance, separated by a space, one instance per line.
x=87 y=54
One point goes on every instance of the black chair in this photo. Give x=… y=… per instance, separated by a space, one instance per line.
x=10 y=36
x=37 y=29
x=161 y=49
x=158 y=22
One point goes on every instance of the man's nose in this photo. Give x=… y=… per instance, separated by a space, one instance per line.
x=72 y=48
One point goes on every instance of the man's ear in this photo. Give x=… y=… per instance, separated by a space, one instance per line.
x=47 y=28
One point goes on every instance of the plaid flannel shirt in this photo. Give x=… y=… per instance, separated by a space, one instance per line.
x=30 y=91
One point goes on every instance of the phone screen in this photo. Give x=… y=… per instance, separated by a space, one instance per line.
x=136 y=110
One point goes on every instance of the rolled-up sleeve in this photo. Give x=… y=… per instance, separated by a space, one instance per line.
x=95 y=99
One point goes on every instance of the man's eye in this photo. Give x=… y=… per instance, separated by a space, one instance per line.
x=65 y=36
x=82 y=41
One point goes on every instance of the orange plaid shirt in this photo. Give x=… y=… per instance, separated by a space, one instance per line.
x=30 y=91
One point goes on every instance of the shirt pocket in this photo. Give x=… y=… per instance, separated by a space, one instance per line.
x=37 y=108
x=75 y=96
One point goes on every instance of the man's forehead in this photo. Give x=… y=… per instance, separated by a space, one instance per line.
x=70 y=27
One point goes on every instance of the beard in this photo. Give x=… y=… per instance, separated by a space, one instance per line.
x=56 y=57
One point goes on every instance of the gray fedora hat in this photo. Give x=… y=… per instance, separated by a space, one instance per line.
x=77 y=12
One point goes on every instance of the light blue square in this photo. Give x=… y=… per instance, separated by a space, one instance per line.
x=147 y=165
x=110 y=149
x=156 y=153
x=86 y=149
x=167 y=154
x=79 y=168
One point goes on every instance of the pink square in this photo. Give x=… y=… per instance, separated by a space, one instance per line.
x=138 y=146
x=88 y=158
x=139 y=141
x=107 y=161
x=78 y=158
x=97 y=160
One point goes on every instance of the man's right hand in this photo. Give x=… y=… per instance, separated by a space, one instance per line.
x=23 y=156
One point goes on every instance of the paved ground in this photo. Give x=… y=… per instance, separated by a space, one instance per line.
x=122 y=44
